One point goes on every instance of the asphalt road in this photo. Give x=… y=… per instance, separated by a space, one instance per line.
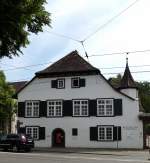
x=37 y=157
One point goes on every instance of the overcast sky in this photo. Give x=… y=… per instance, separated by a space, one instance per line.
x=79 y=19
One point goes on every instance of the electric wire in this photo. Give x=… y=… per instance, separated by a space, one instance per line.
x=117 y=53
x=109 y=21
x=106 y=54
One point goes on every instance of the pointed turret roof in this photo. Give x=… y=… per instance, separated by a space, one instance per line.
x=71 y=64
x=127 y=80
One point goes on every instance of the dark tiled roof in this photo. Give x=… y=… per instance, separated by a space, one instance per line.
x=71 y=64
x=127 y=80
x=18 y=85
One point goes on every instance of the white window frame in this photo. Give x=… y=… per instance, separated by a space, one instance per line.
x=31 y=134
x=105 y=133
x=72 y=81
x=32 y=107
x=80 y=108
x=59 y=86
x=105 y=107
x=54 y=108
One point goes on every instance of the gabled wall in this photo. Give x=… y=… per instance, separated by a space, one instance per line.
x=96 y=87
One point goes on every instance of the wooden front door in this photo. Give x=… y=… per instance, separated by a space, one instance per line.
x=58 y=138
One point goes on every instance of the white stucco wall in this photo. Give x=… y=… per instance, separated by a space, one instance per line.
x=96 y=87
x=131 y=92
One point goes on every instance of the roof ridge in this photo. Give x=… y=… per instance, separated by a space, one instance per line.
x=72 y=62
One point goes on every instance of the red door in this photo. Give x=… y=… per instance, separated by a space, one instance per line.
x=58 y=138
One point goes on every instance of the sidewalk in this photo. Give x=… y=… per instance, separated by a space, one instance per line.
x=95 y=151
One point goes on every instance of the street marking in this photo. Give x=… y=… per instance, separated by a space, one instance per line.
x=51 y=155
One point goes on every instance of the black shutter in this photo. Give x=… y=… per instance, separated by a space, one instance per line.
x=67 y=108
x=117 y=107
x=82 y=82
x=22 y=130
x=41 y=133
x=117 y=133
x=93 y=133
x=43 y=109
x=54 y=83
x=92 y=108
x=21 y=109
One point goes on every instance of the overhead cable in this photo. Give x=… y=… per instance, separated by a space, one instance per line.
x=109 y=21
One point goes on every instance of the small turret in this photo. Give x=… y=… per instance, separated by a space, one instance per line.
x=127 y=84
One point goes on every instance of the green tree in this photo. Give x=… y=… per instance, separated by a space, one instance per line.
x=144 y=91
x=115 y=81
x=19 y=18
x=7 y=103
x=144 y=94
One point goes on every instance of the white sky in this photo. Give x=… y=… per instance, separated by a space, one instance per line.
x=78 y=19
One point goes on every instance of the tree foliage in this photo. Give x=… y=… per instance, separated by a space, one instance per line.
x=7 y=104
x=19 y=18
x=115 y=81
x=144 y=94
x=144 y=91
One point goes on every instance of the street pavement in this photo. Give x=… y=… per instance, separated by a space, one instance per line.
x=76 y=156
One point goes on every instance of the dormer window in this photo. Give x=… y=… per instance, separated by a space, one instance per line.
x=75 y=82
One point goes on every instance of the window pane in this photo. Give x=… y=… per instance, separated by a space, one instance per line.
x=75 y=82
x=58 y=110
x=35 y=133
x=60 y=83
x=35 y=109
x=51 y=111
x=109 y=133
x=77 y=110
x=29 y=131
x=28 y=111
x=101 y=133
x=84 y=110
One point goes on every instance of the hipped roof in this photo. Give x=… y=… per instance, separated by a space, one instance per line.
x=71 y=64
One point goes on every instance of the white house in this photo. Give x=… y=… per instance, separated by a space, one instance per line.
x=71 y=104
